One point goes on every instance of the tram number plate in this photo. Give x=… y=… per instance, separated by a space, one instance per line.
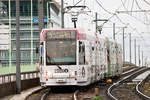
x=61 y=70
x=61 y=80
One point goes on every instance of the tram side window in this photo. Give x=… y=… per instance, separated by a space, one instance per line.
x=81 y=53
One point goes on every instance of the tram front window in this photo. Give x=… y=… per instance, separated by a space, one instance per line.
x=61 y=51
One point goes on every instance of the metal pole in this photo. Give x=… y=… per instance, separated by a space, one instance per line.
x=18 y=75
x=135 y=50
x=50 y=15
x=145 y=61
x=139 y=55
x=31 y=33
x=96 y=22
x=142 y=59
x=114 y=31
x=47 y=10
x=9 y=33
x=0 y=57
x=123 y=48
x=130 y=46
x=62 y=13
x=40 y=14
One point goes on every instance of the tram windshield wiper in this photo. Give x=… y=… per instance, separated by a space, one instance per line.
x=58 y=66
x=53 y=61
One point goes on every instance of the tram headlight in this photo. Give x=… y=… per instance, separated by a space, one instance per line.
x=72 y=74
x=49 y=74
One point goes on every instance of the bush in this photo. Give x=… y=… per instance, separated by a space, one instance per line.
x=97 y=98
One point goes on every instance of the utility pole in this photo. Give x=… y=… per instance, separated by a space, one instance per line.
x=62 y=13
x=40 y=14
x=139 y=55
x=114 y=31
x=123 y=48
x=130 y=46
x=135 y=50
x=18 y=75
x=96 y=22
x=142 y=59
x=145 y=61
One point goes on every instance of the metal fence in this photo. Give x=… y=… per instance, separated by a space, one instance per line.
x=12 y=77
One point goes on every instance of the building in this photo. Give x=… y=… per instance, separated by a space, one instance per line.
x=29 y=28
x=4 y=39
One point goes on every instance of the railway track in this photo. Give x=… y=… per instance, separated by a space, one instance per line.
x=103 y=87
x=140 y=88
x=60 y=96
x=125 y=88
x=38 y=95
x=78 y=94
x=51 y=94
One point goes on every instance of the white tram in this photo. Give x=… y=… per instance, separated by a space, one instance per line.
x=72 y=57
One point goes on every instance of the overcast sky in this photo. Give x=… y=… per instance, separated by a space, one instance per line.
x=137 y=22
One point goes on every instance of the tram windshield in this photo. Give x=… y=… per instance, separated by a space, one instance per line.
x=61 y=48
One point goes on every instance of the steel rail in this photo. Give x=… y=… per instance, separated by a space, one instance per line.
x=129 y=77
x=75 y=95
x=142 y=95
x=44 y=95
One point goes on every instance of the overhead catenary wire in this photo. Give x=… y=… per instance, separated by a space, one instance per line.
x=132 y=5
x=139 y=20
x=74 y=5
x=78 y=2
x=104 y=8
x=134 y=29
x=113 y=14
x=126 y=11
x=147 y=2
x=123 y=4
x=140 y=35
x=138 y=4
x=117 y=15
x=120 y=20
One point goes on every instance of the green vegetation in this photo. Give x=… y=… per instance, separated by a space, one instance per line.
x=97 y=98
x=147 y=88
x=12 y=69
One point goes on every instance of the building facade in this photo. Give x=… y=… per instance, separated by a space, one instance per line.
x=29 y=28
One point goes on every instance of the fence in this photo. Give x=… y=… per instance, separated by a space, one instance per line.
x=12 y=77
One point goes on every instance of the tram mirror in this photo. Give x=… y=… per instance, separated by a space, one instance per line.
x=41 y=43
x=80 y=43
x=93 y=48
x=37 y=50
x=79 y=48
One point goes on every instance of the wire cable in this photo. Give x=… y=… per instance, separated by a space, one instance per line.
x=120 y=20
x=132 y=5
x=138 y=4
x=77 y=3
x=139 y=20
x=146 y=2
x=123 y=4
x=103 y=8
